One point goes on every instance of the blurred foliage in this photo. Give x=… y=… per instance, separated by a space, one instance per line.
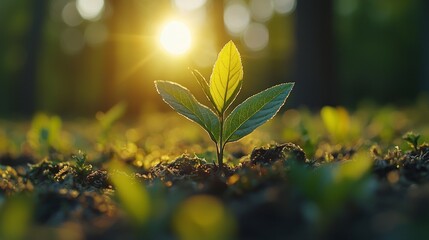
x=147 y=180
x=162 y=136
x=16 y=217
x=331 y=186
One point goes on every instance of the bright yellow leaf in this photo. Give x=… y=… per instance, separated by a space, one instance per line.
x=226 y=78
x=337 y=122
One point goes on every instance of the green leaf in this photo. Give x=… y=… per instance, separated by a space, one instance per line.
x=203 y=83
x=255 y=111
x=226 y=78
x=181 y=100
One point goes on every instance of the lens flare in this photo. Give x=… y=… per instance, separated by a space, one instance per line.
x=175 y=38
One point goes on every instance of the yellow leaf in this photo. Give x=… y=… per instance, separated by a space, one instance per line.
x=226 y=78
x=356 y=168
x=337 y=122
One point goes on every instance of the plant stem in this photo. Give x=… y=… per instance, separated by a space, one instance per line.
x=220 y=145
x=218 y=153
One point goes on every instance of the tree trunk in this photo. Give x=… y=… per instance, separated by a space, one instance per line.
x=314 y=60
x=26 y=92
x=425 y=47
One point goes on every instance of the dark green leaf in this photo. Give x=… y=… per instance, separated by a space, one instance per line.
x=255 y=111
x=181 y=100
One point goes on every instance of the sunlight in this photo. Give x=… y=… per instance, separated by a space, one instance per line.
x=175 y=38
x=189 y=5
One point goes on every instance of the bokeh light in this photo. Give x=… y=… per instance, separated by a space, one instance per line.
x=90 y=9
x=256 y=36
x=175 y=38
x=262 y=10
x=236 y=17
x=72 y=41
x=284 y=6
x=198 y=17
x=207 y=54
x=70 y=15
x=95 y=33
x=189 y=5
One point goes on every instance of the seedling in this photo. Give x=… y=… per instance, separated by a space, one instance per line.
x=82 y=167
x=412 y=139
x=224 y=86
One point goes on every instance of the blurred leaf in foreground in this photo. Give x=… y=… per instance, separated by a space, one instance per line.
x=355 y=168
x=203 y=217
x=15 y=217
x=131 y=194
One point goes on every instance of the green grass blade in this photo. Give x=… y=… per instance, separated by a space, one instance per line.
x=181 y=100
x=255 y=111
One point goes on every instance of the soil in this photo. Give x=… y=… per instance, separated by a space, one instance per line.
x=273 y=193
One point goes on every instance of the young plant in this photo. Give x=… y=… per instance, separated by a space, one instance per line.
x=82 y=167
x=412 y=139
x=224 y=86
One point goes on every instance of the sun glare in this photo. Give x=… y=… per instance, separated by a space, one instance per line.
x=175 y=38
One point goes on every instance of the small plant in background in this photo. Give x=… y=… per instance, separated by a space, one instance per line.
x=46 y=134
x=412 y=139
x=224 y=86
x=108 y=119
x=82 y=167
